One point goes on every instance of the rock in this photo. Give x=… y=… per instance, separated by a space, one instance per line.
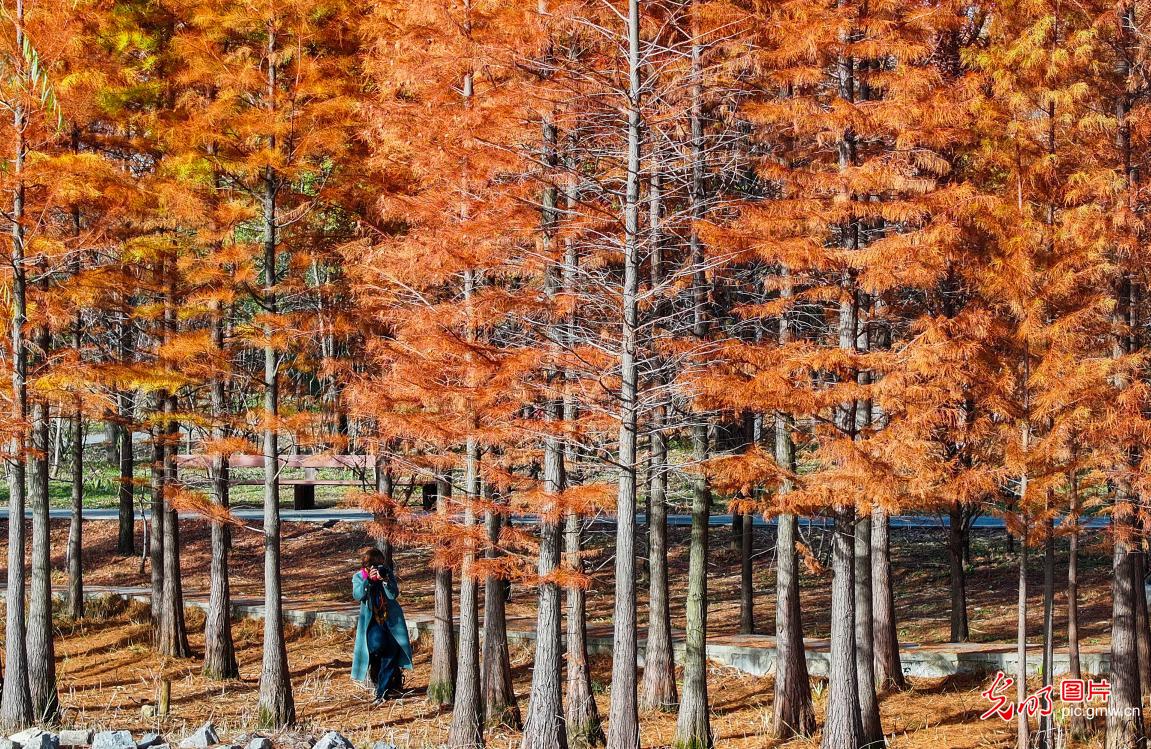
x=259 y=742
x=75 y=737
x=381 y=744
x=295 y=740
x=333 y=740
x=23 y=737
x=113 y=740
x=148 y=711
x=150 y=739
x=204 y=737
x=42 y=740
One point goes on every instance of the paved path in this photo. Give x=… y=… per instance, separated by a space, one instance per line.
x=256 y=515
x=752 y=654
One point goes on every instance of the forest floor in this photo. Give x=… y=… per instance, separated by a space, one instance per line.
x=108 y=671
x=318 y=563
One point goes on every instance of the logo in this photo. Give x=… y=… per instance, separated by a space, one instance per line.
x=1041 y=703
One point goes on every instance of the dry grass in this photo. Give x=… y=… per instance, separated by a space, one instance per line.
x=319 y=561
x=108 y=672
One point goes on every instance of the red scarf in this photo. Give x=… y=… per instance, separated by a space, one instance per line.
x=377 y=600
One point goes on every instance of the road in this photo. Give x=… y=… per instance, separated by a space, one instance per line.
x=253 y=514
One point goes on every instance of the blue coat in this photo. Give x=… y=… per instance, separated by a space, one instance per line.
x=396 y=625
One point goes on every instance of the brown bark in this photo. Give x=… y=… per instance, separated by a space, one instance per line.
x=499 y=697
x=41 y=640
x=1023 y=730
x=76 y=522
x=385 y=486
x=1078 y=727
x=545 y=727
x=623 y=716
x=584 y=727
x=956 y=533
x=842 y=728
x=15 y=700
x=746 y=580
x=173 y=639
x=1142 y=626
x=277 y=706
x=693 y=726
x=658 y=691
x=1045 y=723
x=219 y=647
x=126 y=489
x=793 y=713
x=888 y=665
x=1124 y=715
x=466 y=731
x=872 y=735
x=156 y=522
x=442 y=682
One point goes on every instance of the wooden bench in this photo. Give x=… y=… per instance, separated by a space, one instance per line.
x=303 y=490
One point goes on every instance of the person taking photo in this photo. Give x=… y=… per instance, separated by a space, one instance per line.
x=382 y=646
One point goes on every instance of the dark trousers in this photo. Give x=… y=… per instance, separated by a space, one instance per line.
x=383 y=657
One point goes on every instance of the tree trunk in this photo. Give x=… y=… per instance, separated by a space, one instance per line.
x=865 y=636
x=1046 y=736
x=16 y=700
x=623 y=719
x=466 y=730
x=1142 y=628
x=544 y=727
x=219 y=647
x=956 y=530
x=746 y=580
x=888 y=665
x=277 y=706
x=76 y=523
x=1124 y=714
x=41 y=645
x=842 y=728
x=112 y=442
x=659 y=691
x=693 y=726
x=584 y=728
x=442 y=682
x=173 y=634
x=500 y=707
x=1022 y=734
x=581 y=713
x=385 y=486
x=793 y=714
x=1078 y=727
x=156 y=521
x=126 y=488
